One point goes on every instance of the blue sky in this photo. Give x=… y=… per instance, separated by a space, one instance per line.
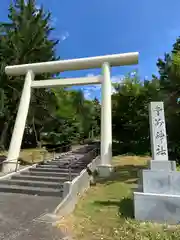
x=98 y=27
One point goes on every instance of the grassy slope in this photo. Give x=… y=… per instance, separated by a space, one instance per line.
x=35 y=155
x=30 y=156
x=106 y=210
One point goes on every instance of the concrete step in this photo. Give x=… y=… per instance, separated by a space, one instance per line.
x=48 y=166
x=57 y=163
x=74 y=168
x=30 y=183
x=50 y=174
x=63 y=157
x=67 y=162
x=61 y=160
x=54 y=168
x=45 y=179
x=31 y=190
x=80 y=164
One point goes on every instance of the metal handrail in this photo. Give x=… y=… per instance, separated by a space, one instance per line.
x=96 y=150
x=53 y=150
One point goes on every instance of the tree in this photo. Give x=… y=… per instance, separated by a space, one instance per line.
x=76 y=116
x=26 y=39
x=169 y=71
x=55 y=115
x=130 y=113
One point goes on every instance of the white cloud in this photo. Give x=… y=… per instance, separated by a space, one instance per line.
x=133 y=74
x=64 y=36
x=90 y=75
x=38 y=7
x=116 y=79
x=92 y=91
x=87 y=94
x=61 y=37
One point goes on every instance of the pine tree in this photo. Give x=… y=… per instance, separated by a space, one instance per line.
x=169 y=71
x=28 y=33
x=26 y=39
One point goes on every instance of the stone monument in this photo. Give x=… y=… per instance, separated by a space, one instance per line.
x=158 y=195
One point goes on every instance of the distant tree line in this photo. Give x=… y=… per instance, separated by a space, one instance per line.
x=130 y=106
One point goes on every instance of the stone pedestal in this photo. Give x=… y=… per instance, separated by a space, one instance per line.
x=105 y=170
x=10 y=166
x=162 y=165
x=158 y=195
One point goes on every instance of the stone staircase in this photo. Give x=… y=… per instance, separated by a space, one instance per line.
x=47 y=179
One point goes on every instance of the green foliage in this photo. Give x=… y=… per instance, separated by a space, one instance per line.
x=24 y=39
x=76 y=116
x=169 y=70
x=55 y=115
x=130 y=113
x=130 y=106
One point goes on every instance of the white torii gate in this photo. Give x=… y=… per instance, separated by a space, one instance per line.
x=29 y=70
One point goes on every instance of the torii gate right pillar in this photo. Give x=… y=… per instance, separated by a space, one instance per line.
x=105 y=167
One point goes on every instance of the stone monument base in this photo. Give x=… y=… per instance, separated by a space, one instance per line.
x=158 y=195
x=105 y=170
x=161 y=208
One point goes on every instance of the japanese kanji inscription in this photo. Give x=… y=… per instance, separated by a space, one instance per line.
x=158 y=131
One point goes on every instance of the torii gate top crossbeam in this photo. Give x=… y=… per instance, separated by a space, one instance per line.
x=73 y=64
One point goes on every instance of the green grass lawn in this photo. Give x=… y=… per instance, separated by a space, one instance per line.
x=106 y=210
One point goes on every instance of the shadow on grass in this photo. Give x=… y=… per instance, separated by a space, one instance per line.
x=125 y=206
x=128 y=174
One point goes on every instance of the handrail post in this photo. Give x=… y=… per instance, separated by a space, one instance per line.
x=70 y=173
x=54 y=154
x=17 y=162
x=44 y=156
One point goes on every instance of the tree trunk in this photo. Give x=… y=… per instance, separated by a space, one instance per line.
x=3 y=135
x=36 y=135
